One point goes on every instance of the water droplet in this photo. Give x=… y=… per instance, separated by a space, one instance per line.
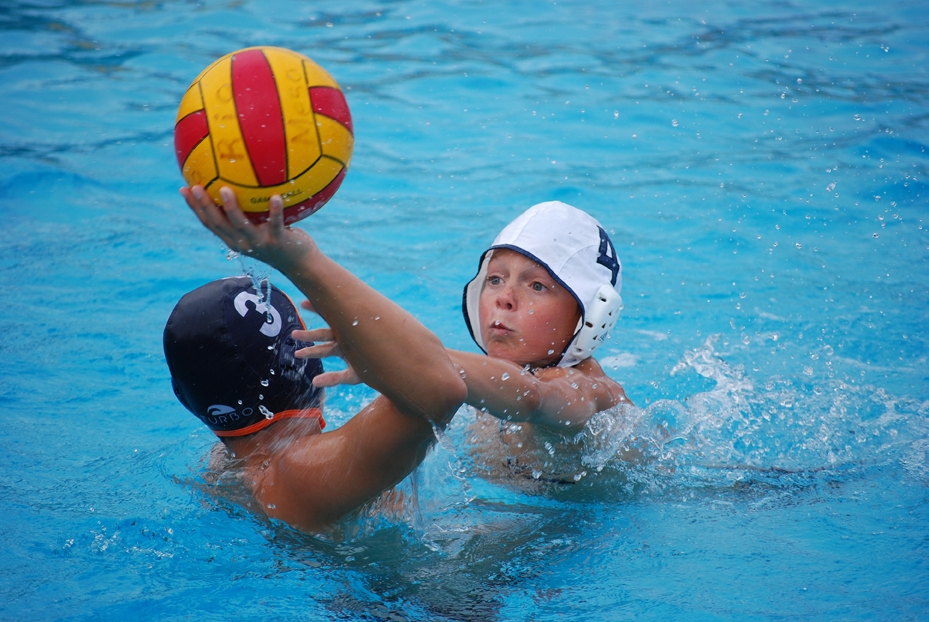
x=674 y=122
x=857 y=117
x=264 y=411
x=798 y=245
x=799 y=80
x=272 y=506
x=355 y=323
x=265 y=383
x=504 y=376
x=552 y=351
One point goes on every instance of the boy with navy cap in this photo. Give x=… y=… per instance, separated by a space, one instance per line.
x=231 y=355
x=544 y=298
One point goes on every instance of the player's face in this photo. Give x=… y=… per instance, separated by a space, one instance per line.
x=526 y=316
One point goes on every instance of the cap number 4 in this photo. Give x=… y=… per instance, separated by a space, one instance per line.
x=608 y=256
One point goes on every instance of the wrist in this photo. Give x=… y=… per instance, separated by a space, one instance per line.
x=298 y=252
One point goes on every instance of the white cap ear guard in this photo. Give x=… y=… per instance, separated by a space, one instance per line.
x=602 y=313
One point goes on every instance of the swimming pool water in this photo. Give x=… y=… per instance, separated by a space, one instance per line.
x=762 y=170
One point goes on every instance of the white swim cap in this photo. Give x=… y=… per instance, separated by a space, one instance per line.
x=579 y=255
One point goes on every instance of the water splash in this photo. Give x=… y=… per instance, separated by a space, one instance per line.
x=259 y=273
x=787 y=429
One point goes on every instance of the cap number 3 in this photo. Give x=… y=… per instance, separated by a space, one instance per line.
x=272 y=325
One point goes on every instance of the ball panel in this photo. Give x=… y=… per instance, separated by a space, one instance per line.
x=316 y=75
x=311 y=205
x=225 y=135
x=209 y=67
x=331 y=102
x=337 y=142
x=188 y=133
x=299 y=126
x=255 y=199
x=200 y=167
x=258 y=106
x=192 y=101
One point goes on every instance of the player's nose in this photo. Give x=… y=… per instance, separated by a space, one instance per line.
x=506 y=298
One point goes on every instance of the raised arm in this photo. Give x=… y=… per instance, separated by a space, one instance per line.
x=552 y=397
x=389 y=349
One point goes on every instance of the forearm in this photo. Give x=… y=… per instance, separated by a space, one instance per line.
x=386 y=346
x=560 y=399
x=497 y=386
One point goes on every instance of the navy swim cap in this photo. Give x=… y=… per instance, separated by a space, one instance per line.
x=231 y=358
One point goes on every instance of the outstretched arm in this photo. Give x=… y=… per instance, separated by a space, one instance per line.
x=389 y=350
x=552 y=397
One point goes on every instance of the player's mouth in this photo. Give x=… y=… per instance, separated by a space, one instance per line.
x=498 y=328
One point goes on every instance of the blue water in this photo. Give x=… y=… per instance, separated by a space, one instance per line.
x=762 y=168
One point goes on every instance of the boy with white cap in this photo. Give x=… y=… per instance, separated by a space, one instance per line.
x=544 y=298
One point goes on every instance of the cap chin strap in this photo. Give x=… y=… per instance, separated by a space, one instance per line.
x=598 y=321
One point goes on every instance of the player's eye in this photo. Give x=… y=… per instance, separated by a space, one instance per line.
x=539 y=287
x=494 y=280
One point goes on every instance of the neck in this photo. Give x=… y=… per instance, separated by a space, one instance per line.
x=272 y=439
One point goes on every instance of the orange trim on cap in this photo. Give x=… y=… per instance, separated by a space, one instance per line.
x=307 y=413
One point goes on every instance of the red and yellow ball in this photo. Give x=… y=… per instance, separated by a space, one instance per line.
x=265 y=121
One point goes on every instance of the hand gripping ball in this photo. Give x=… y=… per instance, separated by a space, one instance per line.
x=265 y=121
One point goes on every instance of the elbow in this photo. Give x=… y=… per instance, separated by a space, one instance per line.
x=455 y=393
x=534 y=405
x=447 y=395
